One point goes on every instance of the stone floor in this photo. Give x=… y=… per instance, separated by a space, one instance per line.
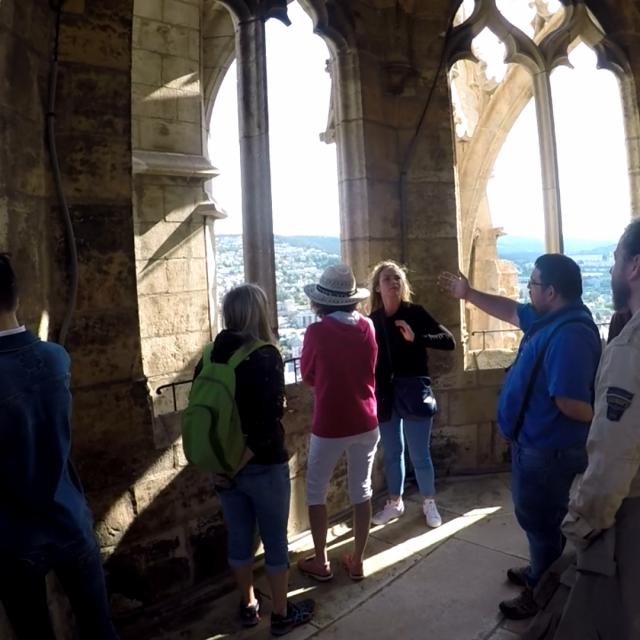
x=442 y=584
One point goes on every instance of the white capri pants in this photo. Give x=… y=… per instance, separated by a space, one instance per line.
x=323 y=457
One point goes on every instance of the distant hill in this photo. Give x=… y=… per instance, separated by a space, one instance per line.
x=329 y=244
x=519 y=246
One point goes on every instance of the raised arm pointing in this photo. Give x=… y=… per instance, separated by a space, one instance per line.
x=500 y=307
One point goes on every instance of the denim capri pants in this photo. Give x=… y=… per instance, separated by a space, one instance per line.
x=260 y=496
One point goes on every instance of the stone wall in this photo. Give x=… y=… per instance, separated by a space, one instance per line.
x=28 y=225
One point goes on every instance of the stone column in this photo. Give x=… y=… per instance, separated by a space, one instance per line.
x=548 y=163
x=253 y=122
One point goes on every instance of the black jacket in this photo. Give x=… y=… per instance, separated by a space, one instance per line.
x=399 y=357
x=259 y=396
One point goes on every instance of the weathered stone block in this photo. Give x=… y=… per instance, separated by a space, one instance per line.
x=195 y=45
x=99 y=43
x=148 y=201
x=161 y=37
x=433 y=210
x=472 y=404
x=146 y=67
x=147 y=490
x=169 y=314
x=177 y=353
x=187 y=274
x=95 y=164
x=190 y=108
x=148 y=9
x=164 y=135
x=181 y=13
x=117 y=516
x=166 y=430
x=460 y=447
x=180 y=73
x=152 y=276
x=207 y=538
x=145 y=571
x=169 y=240
x=179 y=202
x=104 y=346
x=154 y=102
x=21 y=89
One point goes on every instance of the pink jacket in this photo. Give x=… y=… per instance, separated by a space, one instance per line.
x=338 y=361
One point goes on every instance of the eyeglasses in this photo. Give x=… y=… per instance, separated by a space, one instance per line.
x=533 y=283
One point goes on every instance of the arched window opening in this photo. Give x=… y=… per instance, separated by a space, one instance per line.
x=304 y=174
x=540 y=152
x=593 y=167
x=224 y=152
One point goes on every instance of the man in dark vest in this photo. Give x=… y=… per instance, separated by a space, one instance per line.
x=45 y=524
x=604 y=511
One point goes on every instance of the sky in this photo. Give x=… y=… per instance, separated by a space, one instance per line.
x=304 y=171
x=589 y=126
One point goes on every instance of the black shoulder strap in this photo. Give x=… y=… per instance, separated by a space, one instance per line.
x=386 y=341
x=536 y=369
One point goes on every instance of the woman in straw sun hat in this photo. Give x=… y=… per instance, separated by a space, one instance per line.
x=338 y=361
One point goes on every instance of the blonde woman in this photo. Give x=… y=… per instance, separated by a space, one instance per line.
x=259 y=493
x=404 y=332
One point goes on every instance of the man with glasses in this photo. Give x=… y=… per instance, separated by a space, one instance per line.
x=604 y=510
x=545 y=406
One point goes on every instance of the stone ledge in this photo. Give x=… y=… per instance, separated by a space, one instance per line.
x=173 y=164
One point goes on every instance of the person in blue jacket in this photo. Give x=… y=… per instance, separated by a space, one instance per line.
x=45 y=524
x=545 y=406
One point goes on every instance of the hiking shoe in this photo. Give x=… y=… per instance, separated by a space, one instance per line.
x=315 y=569
x=250 y=614
x=520 y=608
x=297 y=613
x=430 y=511
x=518 y=575
x=391 y=511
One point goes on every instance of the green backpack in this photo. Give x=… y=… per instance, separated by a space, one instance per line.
x=212 y=436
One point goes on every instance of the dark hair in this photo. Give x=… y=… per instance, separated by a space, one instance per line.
x=8 y=285
x=562 y=273
x=630 y=240
x=325 y=309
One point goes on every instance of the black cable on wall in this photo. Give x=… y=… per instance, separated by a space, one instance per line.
x=50 y=116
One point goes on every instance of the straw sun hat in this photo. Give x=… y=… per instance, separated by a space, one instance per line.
x=337 y=287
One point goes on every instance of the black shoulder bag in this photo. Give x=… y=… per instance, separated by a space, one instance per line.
x=413 y=398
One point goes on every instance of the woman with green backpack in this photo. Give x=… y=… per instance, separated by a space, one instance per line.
x=258 y=494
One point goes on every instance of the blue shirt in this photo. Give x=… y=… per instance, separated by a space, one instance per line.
x=568 y=370
x=41 y=500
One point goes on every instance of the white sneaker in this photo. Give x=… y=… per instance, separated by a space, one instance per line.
x=431 y=512
x=391 y=511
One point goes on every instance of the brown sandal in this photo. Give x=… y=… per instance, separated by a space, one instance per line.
x=315 y=569
x=355 y=570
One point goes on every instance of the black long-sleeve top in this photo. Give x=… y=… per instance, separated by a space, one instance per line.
x=401 y=357
x=259 y=396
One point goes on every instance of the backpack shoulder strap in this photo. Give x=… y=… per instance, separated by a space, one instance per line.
x=244 y=352
x=536 y=369
x=206 y=356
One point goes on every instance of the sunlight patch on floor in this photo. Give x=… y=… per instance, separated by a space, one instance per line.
x=412 y=546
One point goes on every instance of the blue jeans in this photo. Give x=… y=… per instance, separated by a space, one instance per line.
x=260 y=495
x=79 y=569
x=417 y=434
x=540 y=486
